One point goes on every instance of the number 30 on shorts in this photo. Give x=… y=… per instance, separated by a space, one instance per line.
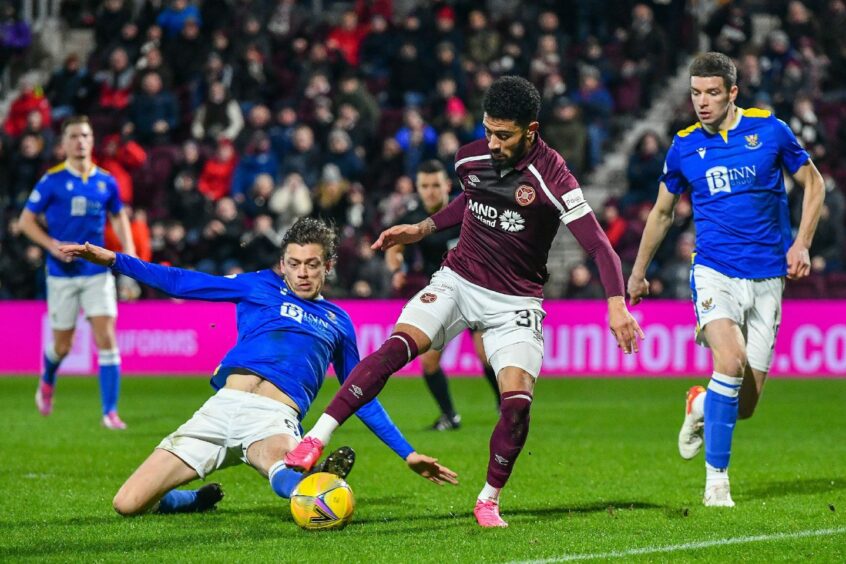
x=530 y=318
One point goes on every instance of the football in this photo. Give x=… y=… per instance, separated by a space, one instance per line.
x=322 y=501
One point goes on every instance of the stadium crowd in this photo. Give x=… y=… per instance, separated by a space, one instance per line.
x=226 y=120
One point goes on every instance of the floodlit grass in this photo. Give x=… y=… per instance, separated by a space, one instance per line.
x=600 y=474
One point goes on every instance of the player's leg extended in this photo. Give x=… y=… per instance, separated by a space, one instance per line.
x=109 y=365
x=63 y=301
x=54 y=353
x=490 y=373
x=430 y=318
x=721 y=406
x=761 y=330
x=507 y=440
x=152 y=485
x=438 y=386
x=363 y=384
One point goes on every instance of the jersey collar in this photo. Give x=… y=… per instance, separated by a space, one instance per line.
x=76 y=173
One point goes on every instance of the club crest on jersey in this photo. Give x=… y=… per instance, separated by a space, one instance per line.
x=69 y=185
x=524 y=195
x=472 y=180
x=101 y=186
x=752 y=141
x=428 y=298
x=707 y=305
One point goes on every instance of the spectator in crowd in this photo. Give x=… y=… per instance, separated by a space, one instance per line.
x=219 y=116
x=121 y=157
x=221 y=239
x=304 y=158
x=261 y=245
x=290 y=202
x=31 y=98
x=644 y=168
x=153 y=112
x=15 y=34
x=215 y=180
x=565 y=132
x=417 y=139
x=582 y=286
x=172 y=19
x=115 y=82
x=65 y=88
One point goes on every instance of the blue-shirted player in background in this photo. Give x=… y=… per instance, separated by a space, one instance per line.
x=732 y=161
x=287 y=336
x=75 y=198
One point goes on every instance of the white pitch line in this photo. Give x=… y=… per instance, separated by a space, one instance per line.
x=686 y=546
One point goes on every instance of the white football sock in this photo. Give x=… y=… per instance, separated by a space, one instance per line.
x=323 y=429
x=715 y=475
x=489 y=493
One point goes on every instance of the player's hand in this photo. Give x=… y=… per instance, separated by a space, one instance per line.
x=623 y=325
x=56 y=250
x=429 y=468
x=638 y=288
x=91 y=253
x=798 y=261
x=398 y=235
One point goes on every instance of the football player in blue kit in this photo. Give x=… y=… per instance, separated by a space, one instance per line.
x=732 y=161
x=287 y=336
x=76 y=197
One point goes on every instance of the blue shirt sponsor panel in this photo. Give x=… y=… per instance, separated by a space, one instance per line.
x=737 y=191
x=281 y=337
x=75 y=208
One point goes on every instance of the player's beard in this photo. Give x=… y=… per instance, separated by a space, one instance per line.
x=519 y=153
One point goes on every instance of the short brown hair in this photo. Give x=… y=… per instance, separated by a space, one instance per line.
x=308 y=230
x=715 y=64
x=75 y=120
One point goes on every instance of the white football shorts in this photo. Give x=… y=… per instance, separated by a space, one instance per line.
x=511 y=325
x=221 y=431
x=755 y=305
x=94 y=294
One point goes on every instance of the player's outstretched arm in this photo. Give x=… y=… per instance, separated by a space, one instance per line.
x=404 y=234
x=176 y=282
x=430 y=469
x=659 y=222
x=91 y=253
x=798 y=256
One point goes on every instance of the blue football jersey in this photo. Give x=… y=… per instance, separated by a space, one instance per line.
x=284 y=339
x=76 y=208
x=737 y=191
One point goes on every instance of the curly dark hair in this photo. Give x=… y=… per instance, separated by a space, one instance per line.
x=513 y=98
x=715 y=64
x=308 y=230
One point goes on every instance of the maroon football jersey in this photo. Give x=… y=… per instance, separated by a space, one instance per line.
x=512 y=217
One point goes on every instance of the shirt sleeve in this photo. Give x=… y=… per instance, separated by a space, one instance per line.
x=452 y=214
x=372 y=414
x=181 y=283
x=39 y=198
x=793 y=156
x=114 y=205
x=672 y=176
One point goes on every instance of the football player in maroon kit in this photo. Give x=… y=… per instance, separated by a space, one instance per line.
x=517 y=191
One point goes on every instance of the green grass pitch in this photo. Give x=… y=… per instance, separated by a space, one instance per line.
x=600 y=478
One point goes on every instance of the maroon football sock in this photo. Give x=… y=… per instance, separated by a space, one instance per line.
x=508 y=436
x=370 y=376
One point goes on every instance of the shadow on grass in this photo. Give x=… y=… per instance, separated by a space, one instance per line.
x=764 y=490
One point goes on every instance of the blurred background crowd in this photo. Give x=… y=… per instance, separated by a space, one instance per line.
x=223 y=121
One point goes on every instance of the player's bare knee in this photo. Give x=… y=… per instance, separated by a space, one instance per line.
x=126 y=504
x=62 y=349
x=422 y=340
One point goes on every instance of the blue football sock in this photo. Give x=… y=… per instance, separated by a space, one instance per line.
x=283 y=480
x=51 y=365
x=721 y=404
x=109 y=379
x=178 y=501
